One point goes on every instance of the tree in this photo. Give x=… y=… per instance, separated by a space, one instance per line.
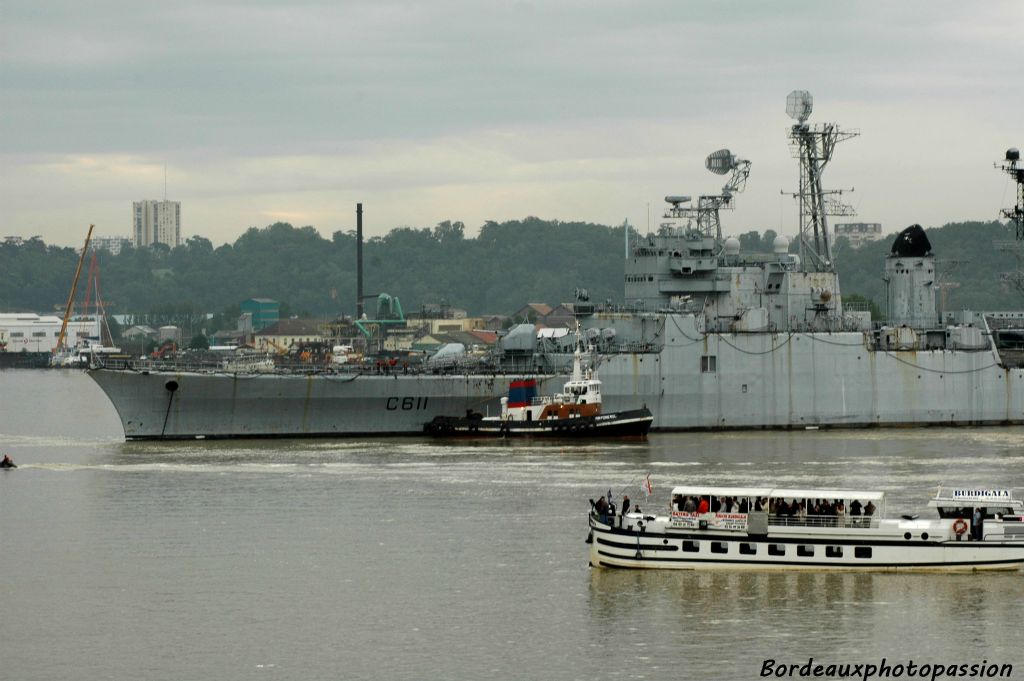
x=199 y=342
x=505 y=266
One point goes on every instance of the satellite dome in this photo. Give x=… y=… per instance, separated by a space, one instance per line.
x=732 y=246
x=781 y=245
x=1013 y=154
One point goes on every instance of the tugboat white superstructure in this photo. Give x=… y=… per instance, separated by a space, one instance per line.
x=803 y=529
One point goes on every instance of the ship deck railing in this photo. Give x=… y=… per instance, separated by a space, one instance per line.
x=233 y=366
x=824 y=521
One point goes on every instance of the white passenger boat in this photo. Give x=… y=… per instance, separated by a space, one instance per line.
x=786 y=529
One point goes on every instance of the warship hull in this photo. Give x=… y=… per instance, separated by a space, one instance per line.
x=755 y=380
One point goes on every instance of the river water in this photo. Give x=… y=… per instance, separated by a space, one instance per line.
x=410 y=559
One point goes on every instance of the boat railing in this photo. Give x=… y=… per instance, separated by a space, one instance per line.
x=234 y=365
x=823 y=521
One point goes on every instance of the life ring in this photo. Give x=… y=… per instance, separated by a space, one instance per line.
x=960 y=526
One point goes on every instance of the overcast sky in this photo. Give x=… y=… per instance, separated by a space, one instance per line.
x=474 y=110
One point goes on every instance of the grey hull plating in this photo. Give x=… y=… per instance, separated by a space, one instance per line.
x=786 y=380
x=221 y=405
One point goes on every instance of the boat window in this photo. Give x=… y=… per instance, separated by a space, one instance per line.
x=691 y=546
x=833 y=551
x=748 y=549
x=719 y=547
x=708 y=364
x=776 y=549
x=862 y=552
x=805 y=551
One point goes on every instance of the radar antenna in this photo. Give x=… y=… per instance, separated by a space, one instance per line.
x=814 y=147
x=1012 y=166
x=705 y=213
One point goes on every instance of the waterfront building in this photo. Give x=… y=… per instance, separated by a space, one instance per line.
x=289 y=333
x=262 y=312
x=30 y=332
x=859 y=233
x=111 y=244
x=156 y=222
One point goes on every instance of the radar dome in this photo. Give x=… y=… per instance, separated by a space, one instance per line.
x=1013 y=154
x=781 y=245
x=732 y=246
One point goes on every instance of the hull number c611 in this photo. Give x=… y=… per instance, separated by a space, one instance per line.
x=406 y=403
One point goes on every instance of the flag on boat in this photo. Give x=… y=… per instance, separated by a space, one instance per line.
x=646 y=485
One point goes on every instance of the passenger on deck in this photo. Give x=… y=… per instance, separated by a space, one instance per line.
x=744 y=505
x=625 y=505
x=690 y=506
x=829 y=511
x=869 y=510
x=602 y=509
x=704 y=506
x=977 y=531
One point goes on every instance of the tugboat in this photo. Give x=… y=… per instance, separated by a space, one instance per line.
x=575 y=412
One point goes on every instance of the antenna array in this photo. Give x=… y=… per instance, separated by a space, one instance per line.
x=814 y=146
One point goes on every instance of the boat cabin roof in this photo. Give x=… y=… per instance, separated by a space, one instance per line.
x=777 y=493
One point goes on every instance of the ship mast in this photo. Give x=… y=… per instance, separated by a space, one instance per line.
x=706 y=212
x=814 y=146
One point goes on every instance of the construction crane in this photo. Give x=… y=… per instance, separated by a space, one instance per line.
x=280 y=349
x=71 y=296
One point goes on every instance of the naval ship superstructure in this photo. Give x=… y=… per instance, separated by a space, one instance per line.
x=709 y=338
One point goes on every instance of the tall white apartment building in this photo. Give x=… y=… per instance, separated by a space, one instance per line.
x=156 y=222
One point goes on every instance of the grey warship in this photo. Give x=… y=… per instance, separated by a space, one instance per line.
x=710 y=339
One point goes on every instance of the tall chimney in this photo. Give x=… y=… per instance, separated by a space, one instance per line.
x=359 y=261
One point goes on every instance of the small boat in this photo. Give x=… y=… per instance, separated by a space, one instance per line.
x=805 y=529
x=575 y=412
x=7 y=462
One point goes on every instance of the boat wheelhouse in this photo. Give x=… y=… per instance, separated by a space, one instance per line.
x=819 y=529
